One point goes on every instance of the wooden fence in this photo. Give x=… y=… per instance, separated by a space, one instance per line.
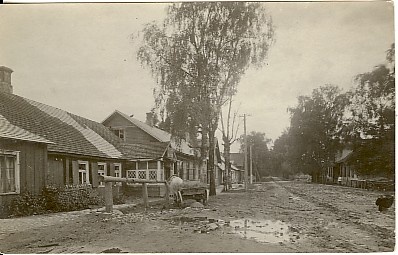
x=109 y=196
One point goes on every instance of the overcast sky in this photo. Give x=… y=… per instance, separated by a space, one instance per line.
x=80 y=58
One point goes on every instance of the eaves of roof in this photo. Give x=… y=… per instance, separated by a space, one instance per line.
x=144 y=151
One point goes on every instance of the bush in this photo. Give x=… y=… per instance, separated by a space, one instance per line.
x=27 y=204
x=55 y=199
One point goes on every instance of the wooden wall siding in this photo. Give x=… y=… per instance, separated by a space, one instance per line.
x=68 y=174
x=75 y=172
x=111 y=168
x=94 y=174
x=32 y=161
x=154 y=190
x=93 y=170
x=55 y=172
x=132 y=133
x=117 y=121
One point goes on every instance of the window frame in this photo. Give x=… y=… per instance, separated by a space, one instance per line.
x=102 y=173
x=118 y=171
x=87 y=172
x=15 y=154
x=120 y=132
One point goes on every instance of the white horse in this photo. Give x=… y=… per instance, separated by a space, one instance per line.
x=175 y=185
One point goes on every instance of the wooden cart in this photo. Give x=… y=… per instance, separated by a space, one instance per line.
x=200 y=194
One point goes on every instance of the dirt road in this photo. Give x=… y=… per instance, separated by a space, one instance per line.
x=270 y=217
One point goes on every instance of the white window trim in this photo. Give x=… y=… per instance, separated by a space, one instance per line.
x=105 y=172
x=119 y=171
x=87 y=171
x=17 y=171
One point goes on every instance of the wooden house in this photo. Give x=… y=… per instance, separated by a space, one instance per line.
x=43 y=145
x=341 y=171
x=235 y=172
x=168 y=156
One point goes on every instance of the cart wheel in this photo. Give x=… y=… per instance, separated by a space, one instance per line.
x=205 y=197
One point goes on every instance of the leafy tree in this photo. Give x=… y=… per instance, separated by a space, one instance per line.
x=372 y=122
x=198 y=56
x=280 y=155
x=315 y=129
x=260 y=152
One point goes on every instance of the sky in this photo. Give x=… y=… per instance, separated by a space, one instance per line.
x=81 y=58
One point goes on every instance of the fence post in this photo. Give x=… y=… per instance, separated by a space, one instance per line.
x=145 y=194
x=108 y=197
x=167 y=196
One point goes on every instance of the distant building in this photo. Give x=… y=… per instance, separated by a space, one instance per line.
x=238 y=160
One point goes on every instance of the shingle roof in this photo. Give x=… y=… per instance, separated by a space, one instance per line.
x=144 y=151
x=69 y=133
x=10 y=131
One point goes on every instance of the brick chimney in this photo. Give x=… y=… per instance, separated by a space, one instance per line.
x=5 y=80
x=150 y=119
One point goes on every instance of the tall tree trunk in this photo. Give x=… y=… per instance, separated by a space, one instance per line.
x=227 y=158
x=203 y=154
x=211 y=162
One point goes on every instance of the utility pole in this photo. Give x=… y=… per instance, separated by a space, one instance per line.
x=245 y=136
x=251 y=164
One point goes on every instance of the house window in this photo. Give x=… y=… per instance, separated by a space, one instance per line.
x=152 y=165
x=118 y=169
x=83 y=172
x=119 y=133
x=143 y=165
x=191 y=169
x=102 y=171
x=133 y=166
x=9 y=172
x=118 y=172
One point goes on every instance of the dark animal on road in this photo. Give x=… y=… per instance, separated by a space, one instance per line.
x=384 y=202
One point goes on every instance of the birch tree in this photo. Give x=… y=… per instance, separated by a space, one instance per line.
x=197 y=57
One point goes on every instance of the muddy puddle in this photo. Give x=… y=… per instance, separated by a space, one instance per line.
x=264 y=231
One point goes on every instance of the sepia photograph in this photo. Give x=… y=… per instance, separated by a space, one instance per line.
x=197 y=127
